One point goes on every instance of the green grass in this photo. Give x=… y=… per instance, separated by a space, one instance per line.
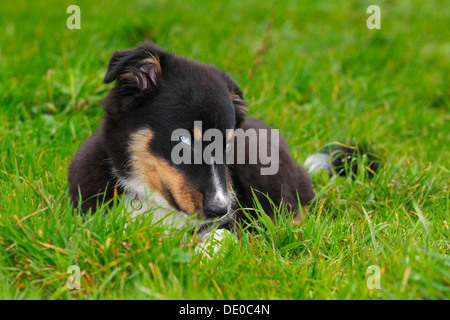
x=311 y=69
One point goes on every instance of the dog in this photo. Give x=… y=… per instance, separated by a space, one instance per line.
x=130 y=155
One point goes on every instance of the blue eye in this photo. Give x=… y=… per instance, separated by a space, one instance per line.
x=186 y=140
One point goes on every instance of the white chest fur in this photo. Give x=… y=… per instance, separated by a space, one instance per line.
x=155 y=205
x=138 y=200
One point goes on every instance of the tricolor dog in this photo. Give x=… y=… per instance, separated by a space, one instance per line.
x=151 y=147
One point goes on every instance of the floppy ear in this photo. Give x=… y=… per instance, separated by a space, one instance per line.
x=135 y=69
x=116 y=64
x=239 y=106
x=237 y=97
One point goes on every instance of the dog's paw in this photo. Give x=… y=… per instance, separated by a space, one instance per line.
x=214 y=243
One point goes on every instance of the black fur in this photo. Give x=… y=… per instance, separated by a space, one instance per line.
x=172 y=93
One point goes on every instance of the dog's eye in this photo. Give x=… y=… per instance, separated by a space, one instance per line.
x=186 y=140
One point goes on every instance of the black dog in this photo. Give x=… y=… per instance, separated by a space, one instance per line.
x=129 y=154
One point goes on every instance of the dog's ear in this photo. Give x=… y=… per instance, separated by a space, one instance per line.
x=117 y=64
x=239 y=105
x=237 y=97
x=136 y=69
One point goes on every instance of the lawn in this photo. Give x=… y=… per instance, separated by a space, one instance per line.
x=313 y=70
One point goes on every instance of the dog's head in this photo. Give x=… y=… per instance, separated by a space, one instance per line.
x=157 y=93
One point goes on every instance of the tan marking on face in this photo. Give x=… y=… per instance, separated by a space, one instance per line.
x=157 y=173
x=153 y=60
x=230 y=133
x=197 y=134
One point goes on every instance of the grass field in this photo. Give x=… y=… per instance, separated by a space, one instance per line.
x=310 y=68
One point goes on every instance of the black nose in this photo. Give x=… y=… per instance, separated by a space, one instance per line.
x=214 y=210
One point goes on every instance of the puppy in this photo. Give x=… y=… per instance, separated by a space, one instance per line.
x=130 y=155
